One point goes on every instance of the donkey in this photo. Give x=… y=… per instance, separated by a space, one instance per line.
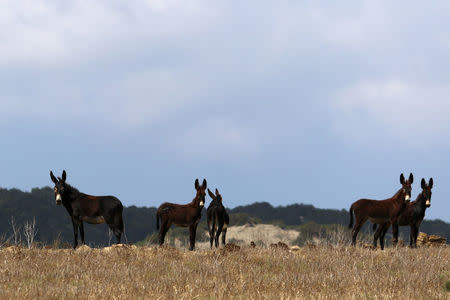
x=380 y=211
x=90 y=209
x=183 y=215
x=412 y=216
x=218 y=218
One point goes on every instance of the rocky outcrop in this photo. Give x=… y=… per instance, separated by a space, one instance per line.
x=424 y=239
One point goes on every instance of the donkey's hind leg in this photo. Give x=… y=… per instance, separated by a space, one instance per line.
x=224 y=233
x=212 y=228
x=359 y=223
x=115 y=224
x=219 y=231
x=378 y=235
x=118 y=227
x=163 y=230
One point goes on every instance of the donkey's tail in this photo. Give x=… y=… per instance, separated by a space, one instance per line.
x=351 y=217
x=213 y=225
x=157 y=220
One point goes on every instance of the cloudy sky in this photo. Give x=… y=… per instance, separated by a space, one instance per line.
x=285 y=101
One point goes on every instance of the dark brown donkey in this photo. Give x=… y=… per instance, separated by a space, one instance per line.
x=183 y=215
x=87 y=208
x=380 y=211
x=218 y=219
x=412 y=216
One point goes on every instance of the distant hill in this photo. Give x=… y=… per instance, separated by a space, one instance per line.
x=53 y=222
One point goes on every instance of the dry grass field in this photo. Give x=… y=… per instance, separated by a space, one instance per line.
x=316 y=272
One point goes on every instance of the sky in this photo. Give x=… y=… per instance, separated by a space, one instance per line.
x=279 y=101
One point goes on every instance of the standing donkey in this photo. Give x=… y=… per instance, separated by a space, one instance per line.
x=183 y=215
x=90 y=209
x=412 y=216
x=380 y=211
x=218 y=219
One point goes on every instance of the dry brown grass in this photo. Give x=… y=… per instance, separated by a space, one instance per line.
x=150 y=273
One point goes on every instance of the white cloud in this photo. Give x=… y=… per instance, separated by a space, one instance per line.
x=411 y=113
x=57 y=34
x=131 y=64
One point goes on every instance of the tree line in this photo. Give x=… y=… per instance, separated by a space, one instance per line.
x=19 y=209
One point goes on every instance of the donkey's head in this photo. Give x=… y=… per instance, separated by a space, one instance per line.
x=60 y=185
x=217 y=196
x=426 y=191
x=201 y=193
x=406 y=186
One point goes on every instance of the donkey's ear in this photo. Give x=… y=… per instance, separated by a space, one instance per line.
x=197 y=185
x=211 y=195
x=423 y=183
x=53 y=177
x=217 y=192
x=431 y=183
x=204 y=184
x=64 y=176
x=402 y=179
x=411 y=178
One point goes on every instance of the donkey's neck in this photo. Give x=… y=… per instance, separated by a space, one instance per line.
x=399 y=196
x=420 y=205
x=216 y=202
x=196 y=202
x=70 y=194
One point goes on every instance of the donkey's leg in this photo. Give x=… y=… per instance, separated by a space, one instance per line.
x=75 y=233
x=118 y=227
x=358 y=224
x=162 y=231
x=192 y=232
x=394 y=233
x=82 y=232
x=219 y=231
x=224 y=233
x=411 y=236
x=212 y=229
x=116 y=230
x=414 y=234
x=115 y=224
x=383 y=234
x=377 y=235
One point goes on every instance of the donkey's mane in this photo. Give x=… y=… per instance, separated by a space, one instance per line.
x=71 y=189
x=398 y=193
x=215 y=202
x=419 y=204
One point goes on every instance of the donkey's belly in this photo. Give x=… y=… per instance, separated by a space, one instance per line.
x=378 y=220
x=94 y=220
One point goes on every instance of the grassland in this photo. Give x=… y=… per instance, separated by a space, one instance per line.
x=130 y=272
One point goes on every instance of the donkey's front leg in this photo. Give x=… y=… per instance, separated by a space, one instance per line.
x=414 y=234
x=192 y=231
x=75 y=233
x=82 y=232
x=394 y=233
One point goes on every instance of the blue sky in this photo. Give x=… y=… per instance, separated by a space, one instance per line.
x=285 y=102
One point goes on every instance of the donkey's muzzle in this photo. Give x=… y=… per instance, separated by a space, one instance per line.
x=58 y=199
x=407 y=198
x=428 y=203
